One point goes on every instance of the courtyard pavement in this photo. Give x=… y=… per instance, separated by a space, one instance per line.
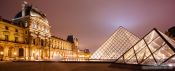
x=74 y=66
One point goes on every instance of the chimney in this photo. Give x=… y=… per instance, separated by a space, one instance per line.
x=23 y=8
x=70 y=38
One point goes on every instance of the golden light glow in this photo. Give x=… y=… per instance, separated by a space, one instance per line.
x=1 y=52
x=37 y=53
x=15 y=53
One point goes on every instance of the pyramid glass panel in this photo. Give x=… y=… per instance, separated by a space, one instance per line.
x=163 y=53
x=121 y=60
x=155 y=44
x=116 y=45
x=170 y=62
x=129 y=55
x=139 y=46
x=171 y=41
x=133 y=60
x=152 y=35
x=154 y=49
x=149 y=61
x=143 y=54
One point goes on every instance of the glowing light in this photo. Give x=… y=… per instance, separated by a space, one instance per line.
x=14 y=53
x=1 y=53
x=37 y=53
x=173 y=58
x=170 y=65
x=54 y=54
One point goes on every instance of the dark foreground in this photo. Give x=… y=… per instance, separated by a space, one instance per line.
x=75 y=66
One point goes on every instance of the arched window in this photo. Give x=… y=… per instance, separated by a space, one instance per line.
x=1 y=52
x=42 y=42
x=11 y=52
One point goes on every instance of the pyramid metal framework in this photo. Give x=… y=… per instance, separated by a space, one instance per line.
x=154 y=49
x=120 y=41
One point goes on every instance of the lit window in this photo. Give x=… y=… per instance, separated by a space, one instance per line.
x=46 y=30
x=34 y=25
x=6 y=37
x=26 y=40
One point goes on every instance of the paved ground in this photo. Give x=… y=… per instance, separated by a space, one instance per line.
x=70 y=66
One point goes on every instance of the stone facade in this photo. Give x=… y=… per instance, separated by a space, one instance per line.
x=28 y=37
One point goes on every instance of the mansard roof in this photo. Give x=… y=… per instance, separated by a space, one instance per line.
x=28 y=11
x=11 y=23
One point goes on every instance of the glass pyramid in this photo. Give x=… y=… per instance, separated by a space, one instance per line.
x=154 y=49
x=120 y=41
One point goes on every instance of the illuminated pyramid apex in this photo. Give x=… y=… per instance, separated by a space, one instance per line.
x=120 y=41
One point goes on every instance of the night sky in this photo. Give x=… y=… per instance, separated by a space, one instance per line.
x=93 y=21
